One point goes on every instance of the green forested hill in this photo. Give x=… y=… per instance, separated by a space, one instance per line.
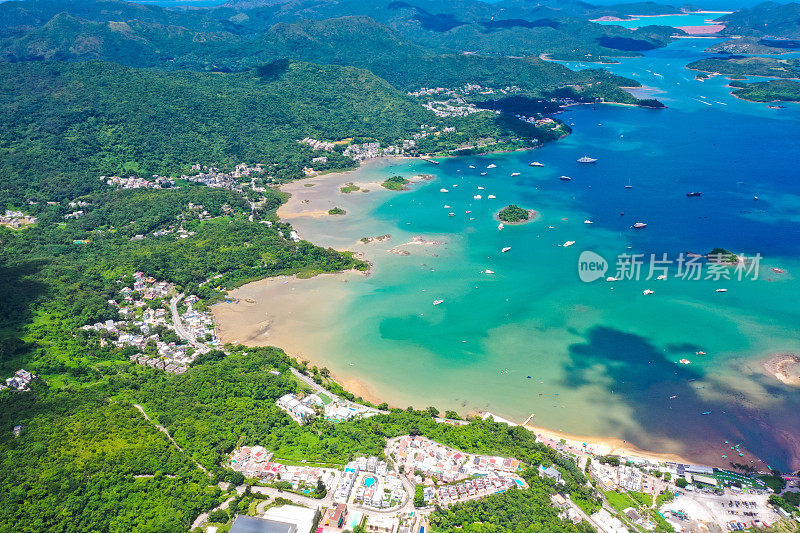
x=410 y=66
x=738 y=66
x=233 y=39
x=68 y=123
x=768 y=91
x=105 y=87
x=765 y=19
x=85 y=464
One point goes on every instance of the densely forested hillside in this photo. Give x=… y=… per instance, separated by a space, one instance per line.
x=83 y=463
x=738 y=66
x=410 y=66
x=65 y=124
x=234 y=39
x=503 y=28
x=768 y=91
x=86 y=460
x=92 y=88
x=765 y=19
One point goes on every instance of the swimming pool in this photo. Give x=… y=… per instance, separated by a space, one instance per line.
x=369 y=481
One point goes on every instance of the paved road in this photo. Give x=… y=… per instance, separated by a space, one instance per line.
x=179 y=329
x=585 y=516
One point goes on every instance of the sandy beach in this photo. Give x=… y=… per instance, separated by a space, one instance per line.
x=304 y=316
x=602 y=445
x=314 y=196
x=784 y=367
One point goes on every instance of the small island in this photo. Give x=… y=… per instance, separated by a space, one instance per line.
x=336 y=211
x=396 y=183
x=721 y=255
x=349 y=187
x=767 y=91
x=514 y=214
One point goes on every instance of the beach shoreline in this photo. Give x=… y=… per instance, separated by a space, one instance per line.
x=785 y=367
x=307 y=311
x=255 y=308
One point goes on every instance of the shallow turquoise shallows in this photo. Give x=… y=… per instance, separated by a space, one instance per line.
x=597 y=358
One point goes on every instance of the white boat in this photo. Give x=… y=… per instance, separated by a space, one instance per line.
x=443 y=190
x=568 y=243
x=587 y=159
x=472 y=166
x=612 y=278
x=565 y=178
x=451 y=214
x=662 y=277
x=647 y=291
x=535 y=164
x=587 y=221
x=437 y=302
x=640 y=225
x=491 y=166
x=483 y=173
x=722 y=290
x=447 y=207
x=487 y=271
x=492 y=196
x=477 y=197
x=480 y=188
x=504 y=250
x=515 y=174
x=501 y=226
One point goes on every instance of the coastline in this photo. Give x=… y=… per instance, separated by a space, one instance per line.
x=533 y=215
x=600 y=446
x=361 y=386
x=785 y=367
x=269 y=312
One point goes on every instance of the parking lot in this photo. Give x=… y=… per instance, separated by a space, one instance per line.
x=730 y=512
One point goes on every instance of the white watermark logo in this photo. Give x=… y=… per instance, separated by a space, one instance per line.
x=591 y=266
x=713 y=267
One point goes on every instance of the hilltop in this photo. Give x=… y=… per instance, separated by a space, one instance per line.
x=765 y=19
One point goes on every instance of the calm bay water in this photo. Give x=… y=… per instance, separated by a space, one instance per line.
x=591 y=358
x=689 y=19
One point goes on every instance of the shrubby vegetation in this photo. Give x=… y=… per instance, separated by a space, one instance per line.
x=739 y=67
x=516 y=510
x=395 y=183
x=60 y=276
x=768 y=91
x=66 y=124
x=83 y=463
x=513 y=213
x=230 y=39
x=765 y=18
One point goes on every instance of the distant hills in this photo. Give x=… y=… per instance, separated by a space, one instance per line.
x=234 y=37
x=102 y=86
x=765 y=19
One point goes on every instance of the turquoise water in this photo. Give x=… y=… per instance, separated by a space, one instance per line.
x=369 y=481
x=689 y=19
x=602 y=357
